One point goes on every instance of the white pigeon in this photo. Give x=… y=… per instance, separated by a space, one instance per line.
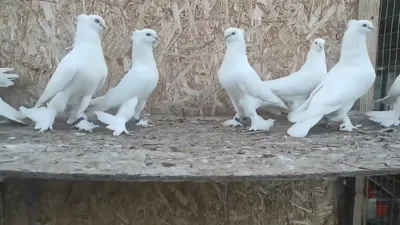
x=391 y=117
x=297 y=87
x=80 y=74
x=134 y=88
x=6 y=110
x=243 y=85
x=347 y=81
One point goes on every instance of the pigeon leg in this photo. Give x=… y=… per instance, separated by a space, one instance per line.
x=138 y=109
x=79 y=113
x=257 y=122
x=236 y=120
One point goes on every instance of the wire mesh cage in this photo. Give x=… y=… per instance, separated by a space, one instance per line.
x=388 y=55
x=383 y=200
x=383 y=192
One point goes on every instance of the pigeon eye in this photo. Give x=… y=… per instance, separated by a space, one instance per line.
x=97 y=21
x=364 y=25
x=148 y=34
x=316 y=42
x=233 y=33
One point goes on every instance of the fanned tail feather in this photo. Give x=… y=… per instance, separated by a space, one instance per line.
x=301 y=129
x=115 y=123
x=6 y=83
x=11 y=76
x=9 y=112
x=385 y=118
x=6 y=79
x=386 y=100
x=43 y=117
x=5 y=70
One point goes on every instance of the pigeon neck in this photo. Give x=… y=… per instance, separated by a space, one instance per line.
x=314 y=60
x=142 y=54
x=354 y=46
x=85 y=34
x=235 y=50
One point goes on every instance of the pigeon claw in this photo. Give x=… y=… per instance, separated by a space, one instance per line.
x=348 y=127
x=117 y=132
x=43 y=129
x=85 y=125
x=261 y=125
x=144 y=123
x=232 y=123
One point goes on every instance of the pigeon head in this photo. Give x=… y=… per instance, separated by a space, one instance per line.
x=93 y=21
x=361 y=26
x=318 y=44
x=233 y=34
x=147 y=36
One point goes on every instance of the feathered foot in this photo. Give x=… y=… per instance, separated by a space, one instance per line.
x=258 y=123
x=143 y=123
x=85 y=125
x=43 y=117
x=115 y=123
x=235 y=122
x=384 y=118
x=348 y=126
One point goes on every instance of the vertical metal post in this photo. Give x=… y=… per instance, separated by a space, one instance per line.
x=359 y=201
x=369 y=10
x=345 y=200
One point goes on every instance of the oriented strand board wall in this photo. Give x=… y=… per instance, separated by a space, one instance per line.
x=35 y=35
x=243 y=203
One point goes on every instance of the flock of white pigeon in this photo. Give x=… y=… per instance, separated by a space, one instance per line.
x=308 y=95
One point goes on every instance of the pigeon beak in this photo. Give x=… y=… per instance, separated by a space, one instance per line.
x=371 y=28
x=226 y=37
x=104 y=26
x=156 y=41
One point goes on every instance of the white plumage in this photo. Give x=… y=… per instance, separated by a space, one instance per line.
x=78 y=76
x=243 y=85
x=347 y=81
x=296 y=88
x=6 y=79
x=134 y=88
x=391 y=117
x=6 y=110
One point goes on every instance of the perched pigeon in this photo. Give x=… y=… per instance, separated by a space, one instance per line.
x=391 y=117
x=347 y=81
x=134 y=88
x=80 y=74
x=296 y=88
x=243 y=85
x=6 y=110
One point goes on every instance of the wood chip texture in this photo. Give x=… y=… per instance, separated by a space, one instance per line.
x=36 y=35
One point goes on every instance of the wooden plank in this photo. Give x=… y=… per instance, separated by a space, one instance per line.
x=196 y=149
x=359 y=201
x=369 y=9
